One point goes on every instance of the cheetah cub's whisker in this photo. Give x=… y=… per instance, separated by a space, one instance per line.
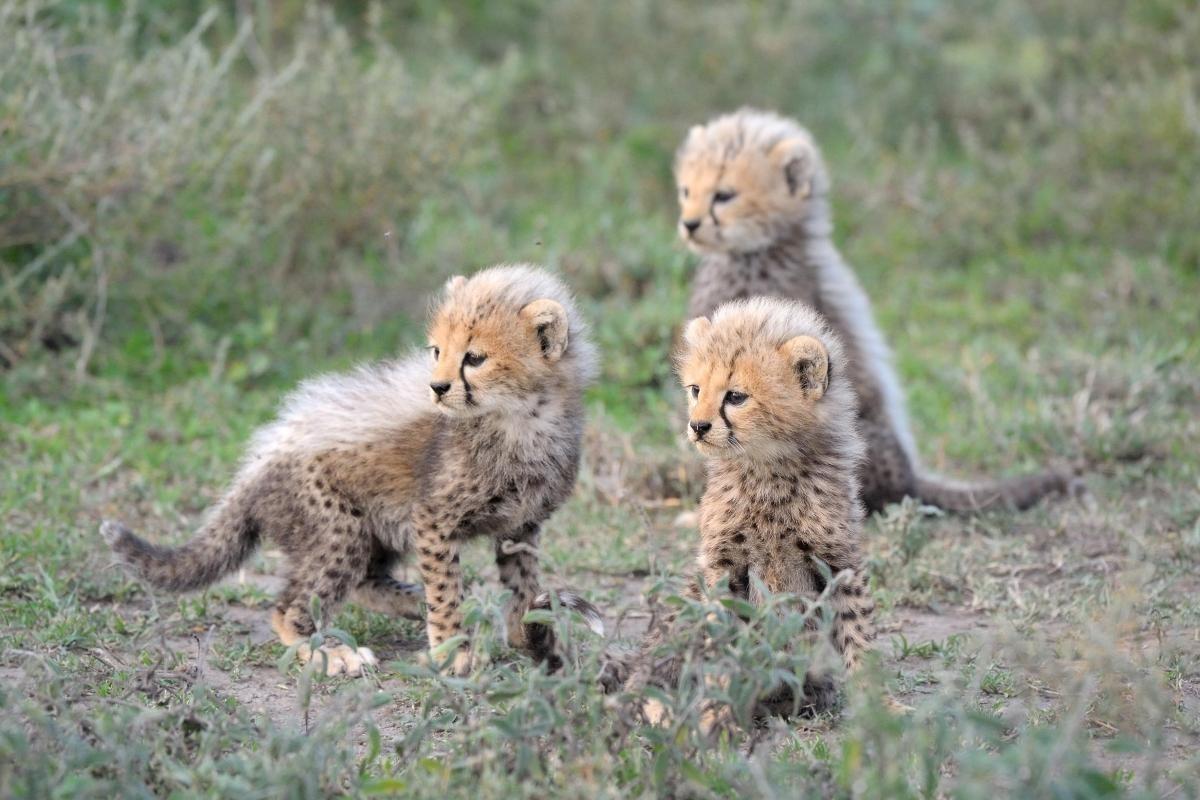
x=773 y=413
x=478 y=436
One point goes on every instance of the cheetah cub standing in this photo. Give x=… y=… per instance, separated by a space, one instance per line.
x=754 y=203
x=361 y=468
x=773 y=413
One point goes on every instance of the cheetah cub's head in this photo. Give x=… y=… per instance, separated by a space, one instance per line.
x=507 y=339
x=759 y=378
x=746 y=180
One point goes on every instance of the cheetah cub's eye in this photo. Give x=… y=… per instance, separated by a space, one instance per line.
x=433 y=348
x=735 y=398
x=694 y=390
x=473 y=359
x=724 y=195
x=683 y=192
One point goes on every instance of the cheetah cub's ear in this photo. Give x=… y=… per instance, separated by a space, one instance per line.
x=794 y=156
x=548 y=321
x=695 y=329
x=455 y=283
x=810 y=361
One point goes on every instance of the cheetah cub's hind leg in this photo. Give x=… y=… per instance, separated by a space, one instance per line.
x=329 y=575
x=386 y=595
x=517 y=560
x=382 y=593
x=338 y=658
x=887 y=475
x=853 y=630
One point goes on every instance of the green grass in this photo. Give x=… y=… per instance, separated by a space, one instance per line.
x=199 y=208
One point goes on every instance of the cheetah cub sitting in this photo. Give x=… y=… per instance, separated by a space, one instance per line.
x=754 y=203
x=774 y=419
x=479 y=436
x=773 y=413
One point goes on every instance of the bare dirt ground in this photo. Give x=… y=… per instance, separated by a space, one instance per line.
x=922 y=648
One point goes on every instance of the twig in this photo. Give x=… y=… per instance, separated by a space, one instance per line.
x=91 y=334
x=43 y=258
x=107 y=659
x=253 y=48
x=636 y=572
x=202 y=649
x=508 y=547
x=78 y=228
x=8 y=354
x=1015 y=571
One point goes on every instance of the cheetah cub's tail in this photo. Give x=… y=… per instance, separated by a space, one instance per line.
x=539 y=637
x=569 y=600
x=226 y=540
x=1017 y=493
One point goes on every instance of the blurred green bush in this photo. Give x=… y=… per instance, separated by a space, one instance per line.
x=176 y=180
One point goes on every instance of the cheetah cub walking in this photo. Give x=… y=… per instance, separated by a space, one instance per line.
x=772 y=412
x=479 y=436
x=754 y=203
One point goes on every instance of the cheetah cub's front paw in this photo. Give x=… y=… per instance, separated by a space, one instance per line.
x=655 y=713
x=462 y=663
x=340 y=659
x=460 y=666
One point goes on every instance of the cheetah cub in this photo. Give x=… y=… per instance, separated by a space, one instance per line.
x=773 y=414
x=478 y=436
x=774 y=417
x=754 y=203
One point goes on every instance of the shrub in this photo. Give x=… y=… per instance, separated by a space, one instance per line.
x=181 y=183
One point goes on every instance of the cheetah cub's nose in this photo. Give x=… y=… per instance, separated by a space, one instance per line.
x=700 y=428
x=440 y=389
x=691 y=225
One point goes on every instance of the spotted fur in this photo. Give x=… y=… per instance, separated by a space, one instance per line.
x=754 y=203
x=479 y=436
x=773 y=413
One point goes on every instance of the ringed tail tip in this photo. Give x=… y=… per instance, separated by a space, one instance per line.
x=113 y=531
x=568 y=599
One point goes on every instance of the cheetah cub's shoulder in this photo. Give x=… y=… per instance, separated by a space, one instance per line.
x=775 y=419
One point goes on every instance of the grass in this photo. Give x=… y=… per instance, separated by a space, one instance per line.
x=202 y=206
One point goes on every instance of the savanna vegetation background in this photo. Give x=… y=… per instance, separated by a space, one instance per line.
x=201 y=204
